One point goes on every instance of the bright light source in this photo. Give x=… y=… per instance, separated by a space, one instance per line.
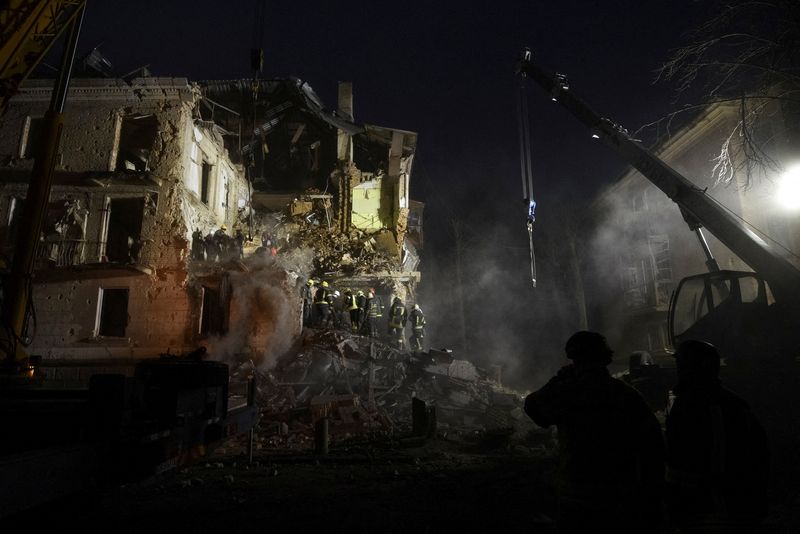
x=595 y=136
x=789 y=188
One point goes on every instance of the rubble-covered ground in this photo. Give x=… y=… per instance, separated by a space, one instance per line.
x=365 y=390
x=483 y=466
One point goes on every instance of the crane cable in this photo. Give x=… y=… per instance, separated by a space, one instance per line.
x=526 y=171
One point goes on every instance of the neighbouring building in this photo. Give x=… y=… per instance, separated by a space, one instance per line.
x=640 y=246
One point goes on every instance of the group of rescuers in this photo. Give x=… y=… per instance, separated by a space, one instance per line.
x=617 y=472
x=325 y=307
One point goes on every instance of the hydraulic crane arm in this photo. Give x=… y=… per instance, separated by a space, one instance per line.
x=697 y=207
x=28 y=28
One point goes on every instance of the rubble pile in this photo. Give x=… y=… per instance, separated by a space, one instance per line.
x=365 y=388
x=307 y=223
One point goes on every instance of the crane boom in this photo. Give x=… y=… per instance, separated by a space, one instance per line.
x=698 y=208
x=28 y=28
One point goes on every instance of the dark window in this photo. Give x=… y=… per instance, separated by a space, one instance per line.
x=205 y=179
x=113 y=313
x=124 y=229
x=32 y=138
x=136 y=138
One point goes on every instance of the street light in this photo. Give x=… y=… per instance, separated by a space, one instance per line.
x=789 y=188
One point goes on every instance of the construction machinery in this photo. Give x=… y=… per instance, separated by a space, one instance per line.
x=160 y=413
x=751 y=317
x=707 y=306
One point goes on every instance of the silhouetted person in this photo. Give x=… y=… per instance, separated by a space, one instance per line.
x=198 y=245
x=717 y=453
x=611 y=450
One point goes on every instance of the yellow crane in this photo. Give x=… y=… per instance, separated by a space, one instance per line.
x=28 y=28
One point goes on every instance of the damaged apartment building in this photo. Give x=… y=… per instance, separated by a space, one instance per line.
x=641 y=247
x=137 y=173
x=147 y=165
x=324 y=182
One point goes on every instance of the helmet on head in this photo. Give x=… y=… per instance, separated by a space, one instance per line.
x=324 y=283
x=336 y=294
x=588 y=347
x=360 y=293
x=416 y=306
x=397 y=299
x=223 y=227
x=310 y=283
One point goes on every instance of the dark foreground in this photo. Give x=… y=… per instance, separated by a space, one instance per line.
x=443 y=486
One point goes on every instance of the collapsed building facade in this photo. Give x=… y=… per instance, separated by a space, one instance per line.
x=323 y=181
x=641 y=247
x=150 y=168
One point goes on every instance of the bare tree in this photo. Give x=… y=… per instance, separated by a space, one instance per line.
x=747 y=53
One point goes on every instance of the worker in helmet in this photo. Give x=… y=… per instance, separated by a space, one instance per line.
x=398 y=316
x=611 y=467
x=417 y=320
x=718 y=459
x=374 y=306
x=351 y=304
x=361 y=304
x=335 y=305
x=322 y=306
x=307 y=293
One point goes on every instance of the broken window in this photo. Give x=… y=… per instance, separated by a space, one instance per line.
x=213 y=318
x=205 y=182
x=136 y=138
x=113 y=316
x=31 y=137
x=123 y=230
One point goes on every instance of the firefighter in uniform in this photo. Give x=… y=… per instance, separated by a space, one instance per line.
x=322 y=305
x=398 y=316
x=417 y=320
x=351 y=302
x=361 y=303
x=307 y=294
x=374 y=306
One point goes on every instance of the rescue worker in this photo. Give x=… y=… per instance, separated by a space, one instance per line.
x=717 y=453
x=198 y=246
x=611 y=468
x=351 y=304
x=397 y=322
x=335 y=303
x=417 y=320
x=212 y=250
x=221 y=242
x=307 y=293
x=361 y=303
x=322 y=306
x=374 y=307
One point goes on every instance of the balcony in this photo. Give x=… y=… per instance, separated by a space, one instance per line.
x=61 y=253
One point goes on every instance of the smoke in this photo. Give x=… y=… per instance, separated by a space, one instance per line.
x=265 y=315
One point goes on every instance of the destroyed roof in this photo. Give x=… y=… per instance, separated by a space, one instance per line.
x=383 y=136
x=295 y=89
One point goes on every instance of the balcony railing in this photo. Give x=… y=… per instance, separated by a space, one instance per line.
x=61 y=253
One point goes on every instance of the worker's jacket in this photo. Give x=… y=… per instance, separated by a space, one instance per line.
x=397 y=316
x=417 y=320
x=717 y=458
x=321 y=296
x=610 y=444
x=375 y=307
x=351 y=302
x=361 y=301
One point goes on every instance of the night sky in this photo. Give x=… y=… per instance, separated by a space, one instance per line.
x=446 y=71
